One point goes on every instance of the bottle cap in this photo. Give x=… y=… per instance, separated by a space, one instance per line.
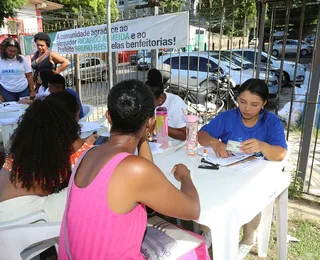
x=161 y=111
x=192 y=118
x=204 y=152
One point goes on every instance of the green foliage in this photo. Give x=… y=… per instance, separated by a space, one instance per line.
x=232 y=12
x=295 y=187
x=8 y=8
x=170 y=6
x=86 y=12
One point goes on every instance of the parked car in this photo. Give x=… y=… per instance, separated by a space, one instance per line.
x=243 y=61
x=310 y=39
x=254 y=41
x=194 y=73
x=288 y=66
x=291 y=48
x=91 y=68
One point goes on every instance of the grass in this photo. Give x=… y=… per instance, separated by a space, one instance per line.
x=306 y=230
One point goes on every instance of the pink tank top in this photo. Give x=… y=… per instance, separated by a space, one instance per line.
x=94 y=230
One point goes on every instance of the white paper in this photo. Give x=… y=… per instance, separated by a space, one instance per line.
x=89 y=126
x=155 y=148
x=245 y=165
x=211 y=156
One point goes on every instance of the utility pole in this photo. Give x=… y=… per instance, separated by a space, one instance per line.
x=155 y=11
x=110 y=65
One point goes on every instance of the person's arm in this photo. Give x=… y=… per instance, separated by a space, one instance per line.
x=30 y=80
x=144 y=149
x=149 y=186
x=177 y=133
x=270 y=152
x=205 y=139
x=57 y=59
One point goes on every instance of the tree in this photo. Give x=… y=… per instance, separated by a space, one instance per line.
x=84 y=12
x=8 y=8
x=169 y=6
x=311 y=13
x=232 y=12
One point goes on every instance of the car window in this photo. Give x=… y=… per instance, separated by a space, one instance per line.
x=249 y=55
x=279 y=42
x=264 y=59
x=95 y=62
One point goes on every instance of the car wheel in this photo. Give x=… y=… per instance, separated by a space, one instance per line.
x=104 y=76
x=304 y=52
x=70 y=81
x=275 y=53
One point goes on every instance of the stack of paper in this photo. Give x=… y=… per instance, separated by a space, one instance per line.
x=211 y=156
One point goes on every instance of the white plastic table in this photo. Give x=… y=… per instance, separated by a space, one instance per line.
x=230 y=198
x=9 y=116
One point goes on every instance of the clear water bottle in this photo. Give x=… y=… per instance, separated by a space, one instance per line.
x=162 y=126
x=192 y=135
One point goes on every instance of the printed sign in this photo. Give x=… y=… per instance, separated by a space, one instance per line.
x=30 y=47
x=154 y=32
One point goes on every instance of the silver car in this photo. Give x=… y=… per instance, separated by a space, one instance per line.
x=291 y=48
x=91 y=68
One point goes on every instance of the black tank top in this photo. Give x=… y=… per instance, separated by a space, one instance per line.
x=42 y=65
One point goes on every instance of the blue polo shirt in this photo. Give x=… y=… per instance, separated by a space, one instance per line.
x=229 y=126
x=79 y=101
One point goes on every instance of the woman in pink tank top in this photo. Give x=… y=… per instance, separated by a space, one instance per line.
x=105 y=217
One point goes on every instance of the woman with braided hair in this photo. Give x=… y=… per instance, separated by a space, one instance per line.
x=42 y=151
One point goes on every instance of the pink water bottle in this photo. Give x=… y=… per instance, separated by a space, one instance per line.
x=162 y=126
x=192 y=135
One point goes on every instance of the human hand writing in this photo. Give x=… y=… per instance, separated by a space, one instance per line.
x=180 y=171
x=251 y=146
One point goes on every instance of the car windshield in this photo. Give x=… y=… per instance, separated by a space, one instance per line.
x=239 y=60
x=229 y=62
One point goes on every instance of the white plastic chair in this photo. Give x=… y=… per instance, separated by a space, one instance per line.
x=16 y=244
x=27 y=241
x=87 y=111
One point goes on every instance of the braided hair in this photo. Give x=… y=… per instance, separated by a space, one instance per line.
x=42 y=144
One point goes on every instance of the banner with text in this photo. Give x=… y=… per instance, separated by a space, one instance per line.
x=154 y=32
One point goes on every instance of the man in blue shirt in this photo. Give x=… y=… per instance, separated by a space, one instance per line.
x=58 y=83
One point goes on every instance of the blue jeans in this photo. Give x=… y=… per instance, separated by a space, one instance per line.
x=12 y=96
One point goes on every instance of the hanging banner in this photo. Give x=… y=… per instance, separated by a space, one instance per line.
x=154 y=32
x=30 y=47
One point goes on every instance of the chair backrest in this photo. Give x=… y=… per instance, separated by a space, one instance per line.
x=26 y=241
x=87 y=111
x=34 y=217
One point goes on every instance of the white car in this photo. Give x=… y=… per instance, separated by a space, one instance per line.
x=195 y=75
x=288 y=66
x=291 y=48
x=91 y=68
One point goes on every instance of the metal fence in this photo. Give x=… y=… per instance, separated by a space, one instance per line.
x=230 y=41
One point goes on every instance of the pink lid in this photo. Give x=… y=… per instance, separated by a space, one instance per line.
x=161 y=111
x=192 y=118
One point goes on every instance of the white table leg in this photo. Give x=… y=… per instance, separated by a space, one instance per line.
x=225 y=238
x=264 y=230
x=282 y=224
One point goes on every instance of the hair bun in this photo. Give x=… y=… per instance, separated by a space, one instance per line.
x=128 y=106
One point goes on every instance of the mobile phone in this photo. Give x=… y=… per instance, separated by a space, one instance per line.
x=101 y=140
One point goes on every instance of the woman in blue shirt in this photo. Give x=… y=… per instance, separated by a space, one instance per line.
x=258 y=131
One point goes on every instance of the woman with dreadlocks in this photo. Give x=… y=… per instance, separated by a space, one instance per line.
x=43 y=149
x=16 y=78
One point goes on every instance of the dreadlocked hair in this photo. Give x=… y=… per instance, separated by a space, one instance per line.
x=41 y=145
